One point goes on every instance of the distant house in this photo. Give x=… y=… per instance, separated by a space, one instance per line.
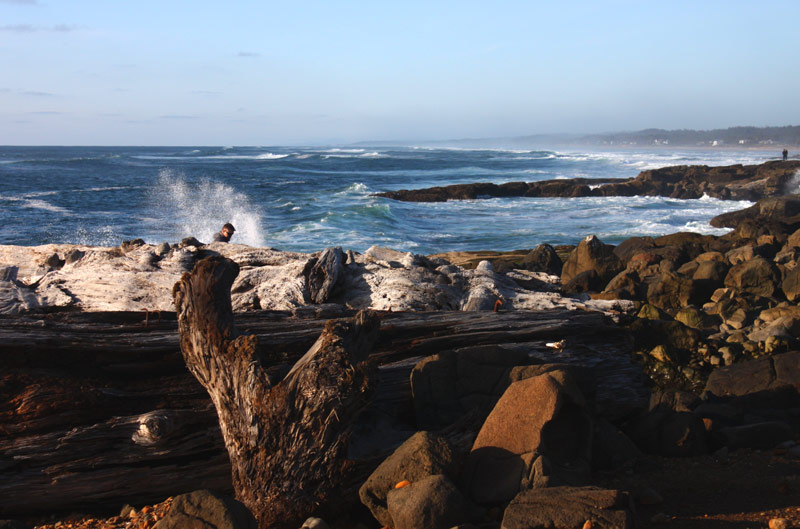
x=742 y=142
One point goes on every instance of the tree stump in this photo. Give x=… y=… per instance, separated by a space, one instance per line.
x=287 y=443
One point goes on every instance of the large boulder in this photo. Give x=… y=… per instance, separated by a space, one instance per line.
x=756 y=276
x=672 y=291
x=424 y=454
x=559 y=507
x=448 y=385
x=592 y=254
x=203 y=509
x=791 y=285
x=539 y=427
x=433 y=502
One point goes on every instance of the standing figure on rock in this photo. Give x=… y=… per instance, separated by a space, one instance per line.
x=225 y=233
x=785 y=154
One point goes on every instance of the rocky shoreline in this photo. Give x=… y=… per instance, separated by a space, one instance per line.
x=498 y=421
x=736 y=182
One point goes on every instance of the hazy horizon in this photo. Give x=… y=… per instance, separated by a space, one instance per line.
x=180 y=73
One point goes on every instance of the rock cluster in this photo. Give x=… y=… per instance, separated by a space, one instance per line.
x=736 y=182
x=702 y=301
x=534 y=441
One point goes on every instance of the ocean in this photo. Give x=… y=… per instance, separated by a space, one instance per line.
x=308 y=198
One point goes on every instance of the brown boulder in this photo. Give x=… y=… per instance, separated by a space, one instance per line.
x=791 y=284
x=543 y=258
x=592 y=254
x=540 y=416
x=672 y=291
x=756 y=276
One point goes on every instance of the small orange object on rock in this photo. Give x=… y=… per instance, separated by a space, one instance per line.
x=587 y=524
x=401 y=484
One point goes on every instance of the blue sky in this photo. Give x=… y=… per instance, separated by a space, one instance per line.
x=267 y=73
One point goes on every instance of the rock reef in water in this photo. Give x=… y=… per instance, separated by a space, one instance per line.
x=734 y=182
x=137 y=277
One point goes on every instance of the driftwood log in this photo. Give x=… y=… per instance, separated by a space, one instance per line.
x=98 y=409
x=287 y=442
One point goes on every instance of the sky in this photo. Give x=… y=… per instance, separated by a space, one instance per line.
x=306 y=72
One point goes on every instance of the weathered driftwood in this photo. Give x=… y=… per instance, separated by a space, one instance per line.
x=286 y=442
x=80 y=391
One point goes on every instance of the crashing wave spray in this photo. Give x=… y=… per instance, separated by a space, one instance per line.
x=793 y=184
x=199 y=209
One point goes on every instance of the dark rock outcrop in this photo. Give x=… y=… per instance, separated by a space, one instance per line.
x=735 y=182
x=570 y=507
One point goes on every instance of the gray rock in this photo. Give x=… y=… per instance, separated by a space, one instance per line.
x=558 y=507
x=433 y=503
x=203 y=509
x=424 y=454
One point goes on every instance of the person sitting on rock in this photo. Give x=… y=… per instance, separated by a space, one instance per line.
x=225 y=233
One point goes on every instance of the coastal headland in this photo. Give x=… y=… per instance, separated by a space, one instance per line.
x=655 y=383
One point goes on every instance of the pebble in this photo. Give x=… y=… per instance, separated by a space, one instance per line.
x=779 y=523
x=315 y=523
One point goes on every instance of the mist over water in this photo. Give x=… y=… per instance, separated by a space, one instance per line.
x=306 y=199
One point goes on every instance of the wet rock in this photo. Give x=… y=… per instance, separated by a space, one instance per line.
x=569 y=507
x=766 y=208
x=423 y=455
x=204 y=509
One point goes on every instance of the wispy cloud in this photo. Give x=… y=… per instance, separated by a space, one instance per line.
x=36 y=93
x=248 y=54
x=177 y=116
x=45 y=113
x=30 y=28
x=206 y=93
x=28 y=2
